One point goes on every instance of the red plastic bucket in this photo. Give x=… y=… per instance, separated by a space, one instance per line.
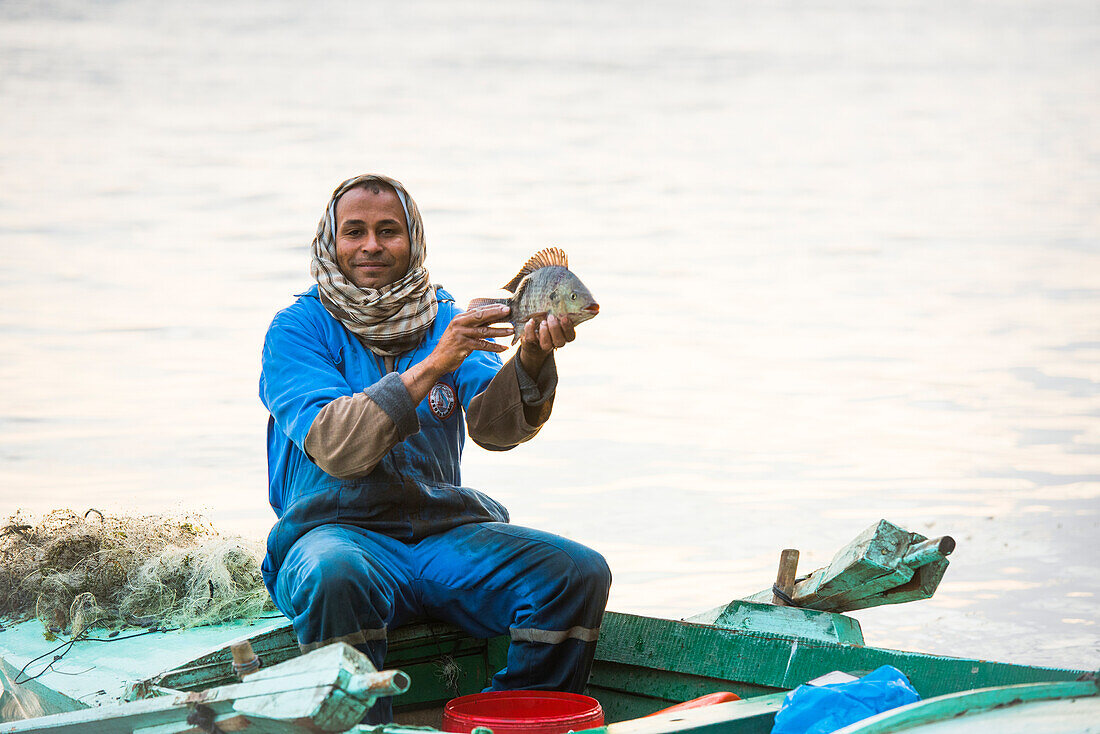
x=522 y=712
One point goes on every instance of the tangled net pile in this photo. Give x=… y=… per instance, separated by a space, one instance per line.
x=76 y=572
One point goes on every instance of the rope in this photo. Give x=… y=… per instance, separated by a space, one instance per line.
x=68 y=645
x=783 y=596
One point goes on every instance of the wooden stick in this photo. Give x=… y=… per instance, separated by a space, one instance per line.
x=784 y=579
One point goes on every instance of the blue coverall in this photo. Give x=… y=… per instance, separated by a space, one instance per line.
x=349 y=558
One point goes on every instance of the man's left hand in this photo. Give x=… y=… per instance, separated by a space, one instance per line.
x=540 y=339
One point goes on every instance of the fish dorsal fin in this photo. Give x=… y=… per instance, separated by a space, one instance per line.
x=541 y=259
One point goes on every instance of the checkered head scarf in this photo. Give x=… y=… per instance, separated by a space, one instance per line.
x=388 y=321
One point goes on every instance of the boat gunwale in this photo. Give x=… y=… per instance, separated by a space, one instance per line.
x=971 y=702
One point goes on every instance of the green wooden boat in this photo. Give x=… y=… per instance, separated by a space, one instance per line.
x=152 y=682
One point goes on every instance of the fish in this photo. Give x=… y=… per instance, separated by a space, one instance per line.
x=544 y=285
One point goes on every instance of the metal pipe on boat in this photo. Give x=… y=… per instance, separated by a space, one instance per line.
x=381 y=683
x=933 y=549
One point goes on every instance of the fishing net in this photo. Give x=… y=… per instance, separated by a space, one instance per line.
x=74 y=572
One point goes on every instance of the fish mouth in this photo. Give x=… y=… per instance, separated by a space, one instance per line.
x=592 y=308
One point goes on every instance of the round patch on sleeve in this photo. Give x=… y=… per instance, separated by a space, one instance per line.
x=441 y=400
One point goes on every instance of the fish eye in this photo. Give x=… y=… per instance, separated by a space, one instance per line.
x=574 y=296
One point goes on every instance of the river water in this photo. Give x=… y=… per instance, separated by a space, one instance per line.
x=847 y=256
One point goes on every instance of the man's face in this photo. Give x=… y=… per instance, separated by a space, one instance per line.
x=372 y=241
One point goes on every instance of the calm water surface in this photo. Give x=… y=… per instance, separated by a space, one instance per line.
x=847 y=255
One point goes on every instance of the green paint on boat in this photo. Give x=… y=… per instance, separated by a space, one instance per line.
x=642 y=664
x=807 y=624
x=1051 y=708
x=327 y=690
x=885 y=564
x=93 y=673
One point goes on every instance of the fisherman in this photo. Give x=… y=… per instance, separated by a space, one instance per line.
x=369 y=377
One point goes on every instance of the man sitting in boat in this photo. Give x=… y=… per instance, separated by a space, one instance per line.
x=368 y=377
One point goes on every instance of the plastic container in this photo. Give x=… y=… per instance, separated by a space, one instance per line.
x=522 y=712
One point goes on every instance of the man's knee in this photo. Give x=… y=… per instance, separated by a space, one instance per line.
x=345 y=580
x=578 y=575
x=591 y=572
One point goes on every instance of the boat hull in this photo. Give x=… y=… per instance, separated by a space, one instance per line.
x=642 y=664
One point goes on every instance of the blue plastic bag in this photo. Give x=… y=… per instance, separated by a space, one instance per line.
x=824 y=709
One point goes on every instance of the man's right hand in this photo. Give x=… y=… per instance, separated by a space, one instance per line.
x=467 y=332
